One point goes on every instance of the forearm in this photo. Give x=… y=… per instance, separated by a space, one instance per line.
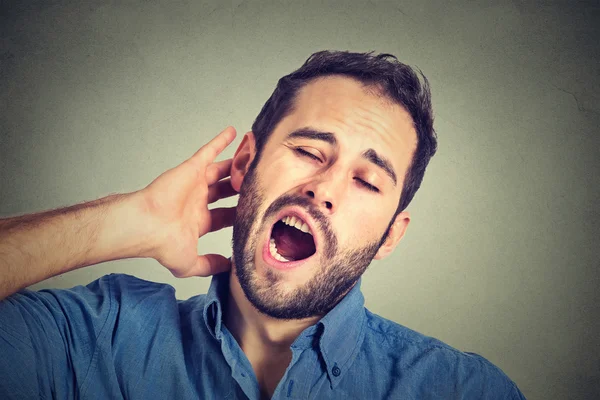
x=38 y=246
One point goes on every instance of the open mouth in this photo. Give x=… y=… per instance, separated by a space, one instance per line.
x=291 y=240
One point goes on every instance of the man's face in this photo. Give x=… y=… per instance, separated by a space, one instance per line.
x=334 y=169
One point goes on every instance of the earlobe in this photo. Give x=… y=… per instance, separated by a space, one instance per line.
x=242 y=159
x=396 y=233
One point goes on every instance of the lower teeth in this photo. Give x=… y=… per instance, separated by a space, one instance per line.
x=275 y=254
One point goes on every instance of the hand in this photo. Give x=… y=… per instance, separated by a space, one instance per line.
x=177 y=205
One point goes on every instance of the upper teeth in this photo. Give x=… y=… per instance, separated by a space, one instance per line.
x=296 y=223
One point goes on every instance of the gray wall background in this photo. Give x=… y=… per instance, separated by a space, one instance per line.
x=501 y=257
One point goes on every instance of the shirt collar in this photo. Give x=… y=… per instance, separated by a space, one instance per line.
x=339 y=333
x=215 y=300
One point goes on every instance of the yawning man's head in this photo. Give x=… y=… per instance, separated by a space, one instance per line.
x=333 y=159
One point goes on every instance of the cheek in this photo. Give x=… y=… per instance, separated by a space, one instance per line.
x=365 y=220
x=275 y=180
x=356 y=229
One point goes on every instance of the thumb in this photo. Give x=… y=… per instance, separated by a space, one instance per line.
x=210 y=264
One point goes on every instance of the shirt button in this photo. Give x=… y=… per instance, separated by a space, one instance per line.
x=336 y=371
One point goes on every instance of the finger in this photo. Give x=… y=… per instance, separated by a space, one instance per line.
x=217 y=171
x=221 y=217
x=207 y=153
x=210 y=264
x=221 y=190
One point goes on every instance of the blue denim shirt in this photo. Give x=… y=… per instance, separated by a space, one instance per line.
x=123 y=337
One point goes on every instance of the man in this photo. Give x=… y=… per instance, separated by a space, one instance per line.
x=324 y=177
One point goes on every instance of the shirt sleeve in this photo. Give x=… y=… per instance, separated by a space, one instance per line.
x=48 y=339
x=492 y=382
x=516 y=393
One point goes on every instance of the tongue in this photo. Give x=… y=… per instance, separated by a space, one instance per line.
x=292 y=243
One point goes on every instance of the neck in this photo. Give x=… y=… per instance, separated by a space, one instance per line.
x=253 y=328
x=266 y=341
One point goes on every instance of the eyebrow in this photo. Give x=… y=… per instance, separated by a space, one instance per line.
x=328 y=137
x=308 y=133
x=382 y=163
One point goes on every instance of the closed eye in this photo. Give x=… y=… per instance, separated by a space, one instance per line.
x=361 y=182
x=305 y=153
x=367 y=185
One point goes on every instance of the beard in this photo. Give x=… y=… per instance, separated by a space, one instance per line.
x=337 y=273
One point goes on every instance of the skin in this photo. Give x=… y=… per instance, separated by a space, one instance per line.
x=164 y=220
x=360 y=119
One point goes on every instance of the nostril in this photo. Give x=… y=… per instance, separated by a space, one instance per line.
x=328 y=205
x=311 y=194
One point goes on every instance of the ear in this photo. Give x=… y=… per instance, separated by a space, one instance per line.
x=243 y=157
x=396 y=233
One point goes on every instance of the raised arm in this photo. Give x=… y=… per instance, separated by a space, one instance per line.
x=162 y=221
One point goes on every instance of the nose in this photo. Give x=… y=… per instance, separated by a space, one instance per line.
x=324 y=203
x=325 y=192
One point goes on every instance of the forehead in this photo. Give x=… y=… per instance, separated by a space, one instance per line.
x=359 y=117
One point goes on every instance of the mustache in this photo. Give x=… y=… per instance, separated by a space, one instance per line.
x=321 y=219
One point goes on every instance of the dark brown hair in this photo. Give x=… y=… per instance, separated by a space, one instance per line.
x=384 y=73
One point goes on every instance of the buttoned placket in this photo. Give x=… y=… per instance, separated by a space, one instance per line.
x=241 y=369
x=295 y=383
x=303 y=370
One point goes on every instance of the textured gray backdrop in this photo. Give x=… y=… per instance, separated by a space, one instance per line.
x=501 y=257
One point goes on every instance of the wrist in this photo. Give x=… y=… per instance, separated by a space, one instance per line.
x=125 y=230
